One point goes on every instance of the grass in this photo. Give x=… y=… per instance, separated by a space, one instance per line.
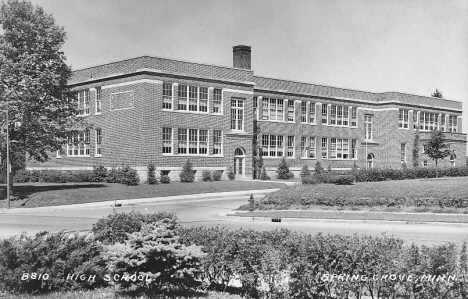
x=107 y=293
x=425 y=195
x=42 y=194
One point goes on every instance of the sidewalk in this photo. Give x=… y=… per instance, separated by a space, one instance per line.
x=132 y=202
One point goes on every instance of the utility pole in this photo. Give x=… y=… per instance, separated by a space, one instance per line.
x=8 y=160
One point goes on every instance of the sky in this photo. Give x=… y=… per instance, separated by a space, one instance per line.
x=409 y=46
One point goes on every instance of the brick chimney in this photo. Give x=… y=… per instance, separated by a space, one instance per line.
x=241 y=57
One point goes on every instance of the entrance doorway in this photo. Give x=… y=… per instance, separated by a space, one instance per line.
x=370 y=160
x=239 y=163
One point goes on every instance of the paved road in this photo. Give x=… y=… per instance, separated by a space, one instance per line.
x=212 y=211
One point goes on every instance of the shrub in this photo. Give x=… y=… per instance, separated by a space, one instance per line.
x=343 y=179
x=115 y=227
x=99 y=174
x=231 y=175
x=130 y=176
x=304 y=171
x=21 y=176
x=151 y=177
x=54 y=254
x=156 y=254
x=217 y=175
x=264 y=176
x=81 y=176
x=283 y=170
x=309 y=180
x=187 y=174
x=318 y=168
x=165 y=179
x=207 y=176
x=115 y=175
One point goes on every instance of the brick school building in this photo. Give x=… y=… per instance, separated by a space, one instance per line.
x=165 y=111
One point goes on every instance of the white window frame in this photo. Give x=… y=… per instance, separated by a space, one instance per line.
x=169 y=96
x=324 y=115
x=171 y=140
x=291 y=148
x=354 y=117
x=182 y=99
x=98 y=142
x=403 y=119
x=81 y=149
x=98 y=101
x=324 y=146
x=292 y=104
x=82 y=97
x=312 y=118
x=215 y=100
x=403 y=153
x=220 y=143
x=368 y=133
x=190 y=140
x=273 y=144
x=237 y=114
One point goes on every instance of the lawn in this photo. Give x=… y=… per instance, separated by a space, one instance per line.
x=41 y=194
x=446 y=195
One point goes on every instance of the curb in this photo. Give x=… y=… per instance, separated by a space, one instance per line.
x=132 y=202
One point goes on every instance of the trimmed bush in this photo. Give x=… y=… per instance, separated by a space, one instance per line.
x=151 y=177
x=217 y=175
x=319 y=168
x=130 y=176
x=283 y=170
x=115 y=175
x=310 y=180
x=343 y=179
x=305 y=171
x=207 y=176
x=264 y=176
x=115 y=227
x=187 y=175
x=22 y=176
x=56 y=255
x=156 y=254
x=165 y=179
x=231 y=175
x=99 y=174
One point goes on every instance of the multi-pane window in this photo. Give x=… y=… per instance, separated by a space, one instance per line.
x=345 y=116
x=217 y=142
x=98 y=100
x=368 y=127
x=237 y=114
x=217 y=100
x=324 y=114
x=193 y=141
x=442 y=123
x=303 y=147
x=403 y=153
x=291 y=110
x=353 y=117
x=78 y=145
x=182 y=91
x=353 y=149
x=324 y=148
x=193 y=98
x=290 y=152
x=403 y=118
x=311 y=148
x=83 y=102
x=339 y=148
x=311 y=113
x=255 y=107
x=339 y=115
x=273 y=109
x=273 y=146
x=303 y=112
x=167 y=140
x=415 y=120
x=452 y=124
x=203 y=142
x=428 y=121
x=182 y=137
x=98 y=142
x=203 y=99
x=167 y=96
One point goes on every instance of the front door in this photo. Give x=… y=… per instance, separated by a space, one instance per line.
x=239 y=165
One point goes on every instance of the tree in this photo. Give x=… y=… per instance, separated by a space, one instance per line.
x=437 y=94
x=437 y=148
x=283 y=170
x=416 y=150
x=187 y=175
x=33 y=84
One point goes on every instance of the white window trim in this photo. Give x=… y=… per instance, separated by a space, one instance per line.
x=96 y=155
x=86 y=146
x=172 y=142
x=222 y=143
x=277 y=147
x=307 y=157
x=96 y=100
x=243 y=116
x=172 y=96
x=198 y=143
